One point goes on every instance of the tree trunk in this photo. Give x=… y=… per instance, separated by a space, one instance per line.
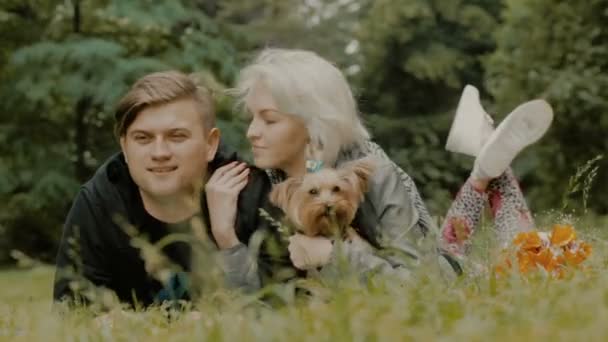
x=76 y=18
x=80 y=111
x=210 y=7
x=81 y=137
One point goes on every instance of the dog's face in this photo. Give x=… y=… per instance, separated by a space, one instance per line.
x=324 y=203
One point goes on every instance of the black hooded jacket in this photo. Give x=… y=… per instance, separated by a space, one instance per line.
x=96 y=247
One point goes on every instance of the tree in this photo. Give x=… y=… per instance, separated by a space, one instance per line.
x=324 y=26
x=415 y=58
x=558 y=51
x=64 y=81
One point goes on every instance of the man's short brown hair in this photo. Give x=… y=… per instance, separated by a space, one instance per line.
x=160 y=88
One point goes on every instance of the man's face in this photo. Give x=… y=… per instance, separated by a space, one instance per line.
x=167 y=150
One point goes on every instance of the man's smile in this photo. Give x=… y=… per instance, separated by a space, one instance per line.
x=162 y=169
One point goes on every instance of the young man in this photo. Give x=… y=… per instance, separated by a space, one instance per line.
x=169 y=147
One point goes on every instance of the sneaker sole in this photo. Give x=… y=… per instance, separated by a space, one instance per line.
x=525 y=126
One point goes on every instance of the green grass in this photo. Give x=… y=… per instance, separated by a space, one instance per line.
x=473 y=308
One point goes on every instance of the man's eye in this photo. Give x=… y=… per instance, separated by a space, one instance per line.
x=178 y=137
x=142 y=138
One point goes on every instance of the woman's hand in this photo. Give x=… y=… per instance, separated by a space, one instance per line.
x=309 y=252
x=222 y=193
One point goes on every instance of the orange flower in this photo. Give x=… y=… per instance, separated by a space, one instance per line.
x=577 y=254
x=562 y=235
x=528 y=241
x=525 y=261
x=501 y=270
x=545 y=259
x=553 y=252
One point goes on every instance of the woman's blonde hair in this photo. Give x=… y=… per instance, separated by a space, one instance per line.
x=304 y=84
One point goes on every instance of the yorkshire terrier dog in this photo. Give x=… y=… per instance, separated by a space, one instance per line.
x=324 y=203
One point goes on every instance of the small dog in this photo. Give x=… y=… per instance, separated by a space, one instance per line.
x=325 y=202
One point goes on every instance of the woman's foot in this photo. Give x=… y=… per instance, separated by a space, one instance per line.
x=523 y=127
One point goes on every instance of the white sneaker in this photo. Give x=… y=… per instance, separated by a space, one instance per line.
x=523 y=126
x=471 y=126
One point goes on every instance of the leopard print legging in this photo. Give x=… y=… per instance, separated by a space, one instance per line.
x=508 y=208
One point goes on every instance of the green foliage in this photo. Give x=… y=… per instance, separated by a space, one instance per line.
x=324 y=26
x=426 y=308
x=65 y=77
x=63 y=66
x=558 y=51
x=415 y=59
x=581 y=182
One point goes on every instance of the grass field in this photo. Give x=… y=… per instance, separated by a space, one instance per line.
x=472 y=308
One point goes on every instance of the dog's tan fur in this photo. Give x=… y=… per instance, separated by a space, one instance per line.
x=325 y=202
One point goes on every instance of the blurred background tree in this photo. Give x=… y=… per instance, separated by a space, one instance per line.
x=415 y=58
x=558 y=51
x=62 y=74
x=63 y=66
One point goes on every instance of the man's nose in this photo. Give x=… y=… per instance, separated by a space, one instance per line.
x=160 y=149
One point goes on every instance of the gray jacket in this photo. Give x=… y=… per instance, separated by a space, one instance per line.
x=392 y=217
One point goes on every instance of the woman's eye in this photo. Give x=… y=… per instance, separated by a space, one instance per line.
x=313 y=191
x=142 y=138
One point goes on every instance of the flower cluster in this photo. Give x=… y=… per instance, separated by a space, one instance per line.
x=555 y=252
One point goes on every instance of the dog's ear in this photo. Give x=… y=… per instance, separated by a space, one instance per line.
x=281 y=193
x=362 y=169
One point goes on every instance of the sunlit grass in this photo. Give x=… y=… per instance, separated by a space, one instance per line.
x=472 y=308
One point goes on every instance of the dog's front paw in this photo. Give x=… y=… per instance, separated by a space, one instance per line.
x=309 y=252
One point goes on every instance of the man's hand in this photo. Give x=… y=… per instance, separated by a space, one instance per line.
x=309 y=252
x=222 y=193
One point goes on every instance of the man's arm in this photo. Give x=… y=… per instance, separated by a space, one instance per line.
x=80 y=262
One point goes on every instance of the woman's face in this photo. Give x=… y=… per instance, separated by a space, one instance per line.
x=278 y=140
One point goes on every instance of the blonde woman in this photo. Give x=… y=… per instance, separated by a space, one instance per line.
x=302 y=109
